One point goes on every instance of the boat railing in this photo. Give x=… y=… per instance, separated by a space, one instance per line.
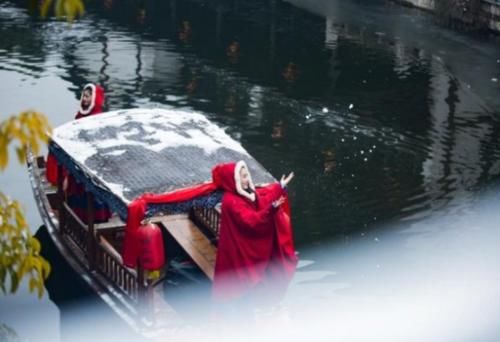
x=100 y=255
x=95 y=245
x=209 y=218
x=74 y=228
x=110 y=264
x=105 y=259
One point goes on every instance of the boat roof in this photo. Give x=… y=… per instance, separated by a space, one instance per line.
x=136 y=151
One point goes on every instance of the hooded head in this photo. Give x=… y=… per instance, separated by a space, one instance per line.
x=234 y=177
x=92 y=99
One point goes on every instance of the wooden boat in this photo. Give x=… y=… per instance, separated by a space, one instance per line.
x=119 y=156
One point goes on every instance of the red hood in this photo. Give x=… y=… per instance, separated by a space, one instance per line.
x=97 y=101
x=223 y=176
x=227 y=178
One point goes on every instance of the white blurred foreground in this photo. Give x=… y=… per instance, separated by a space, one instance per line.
x=433 y=280
x=436 y=280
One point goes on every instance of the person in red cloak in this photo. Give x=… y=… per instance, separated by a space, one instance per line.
x=91 y=103
x=255 y=247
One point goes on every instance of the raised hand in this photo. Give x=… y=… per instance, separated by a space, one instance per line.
x=279 y=201
x=285 y=180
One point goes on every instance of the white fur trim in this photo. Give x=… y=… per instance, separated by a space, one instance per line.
x=92 y=101
x=237 y=180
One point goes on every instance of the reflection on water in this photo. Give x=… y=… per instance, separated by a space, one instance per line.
x=409 y=137
x=383 y=115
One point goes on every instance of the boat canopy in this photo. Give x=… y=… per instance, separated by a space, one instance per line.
x=123 y=154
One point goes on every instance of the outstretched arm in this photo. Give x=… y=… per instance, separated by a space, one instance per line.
x=285 y=180
x=246 y=214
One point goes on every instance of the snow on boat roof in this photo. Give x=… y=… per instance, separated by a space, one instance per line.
x=134 y=151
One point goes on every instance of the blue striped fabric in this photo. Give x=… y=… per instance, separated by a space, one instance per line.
x=116 y=204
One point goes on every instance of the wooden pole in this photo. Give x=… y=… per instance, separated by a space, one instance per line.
x=60 y=197
x=145 y=292
x=91 y=250
x=141 y=287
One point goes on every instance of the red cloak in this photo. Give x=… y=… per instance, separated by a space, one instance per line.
x=76 y=192
x=255 y=245
x=96 y=102
x=95 y=107
x=255 y=242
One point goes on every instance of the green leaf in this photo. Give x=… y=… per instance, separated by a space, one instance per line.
x=3 y=275
x=33 y=284
x=24 y=268
x=60 y=8
x=80 y=9
x=4 y=157
x=45 y=8
x=35 y=146
x=34 y=244
x=19 y=250
x=45 y=269
x=14 y=281
x=36 y=264
x=40 y=289
x=20 y=154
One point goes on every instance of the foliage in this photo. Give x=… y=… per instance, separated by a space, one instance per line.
x=63 y=8
x=28 y=128
x=19 y=250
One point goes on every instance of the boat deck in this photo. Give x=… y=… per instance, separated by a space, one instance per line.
x=194 y=242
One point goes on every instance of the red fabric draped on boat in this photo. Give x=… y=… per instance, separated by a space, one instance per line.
x=137 y=210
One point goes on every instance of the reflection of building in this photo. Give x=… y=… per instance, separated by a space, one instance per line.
x=116 y=62
x=331 y=43
x=161 y=62
x=331 y=33
x=457 y=139
x=433 y=168
x=487 y=10
x=426 y=4
x=402 y=59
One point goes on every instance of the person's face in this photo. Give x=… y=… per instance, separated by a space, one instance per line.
x=86 y=98
x=245 y=178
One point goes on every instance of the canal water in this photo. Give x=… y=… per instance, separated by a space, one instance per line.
x=390 y=122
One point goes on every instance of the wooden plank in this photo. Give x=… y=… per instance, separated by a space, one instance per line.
x=111 y=251
x=193 y=241
x=113 y=223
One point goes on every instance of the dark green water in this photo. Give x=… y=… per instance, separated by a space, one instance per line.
x=383 y=115
x=375 y=126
